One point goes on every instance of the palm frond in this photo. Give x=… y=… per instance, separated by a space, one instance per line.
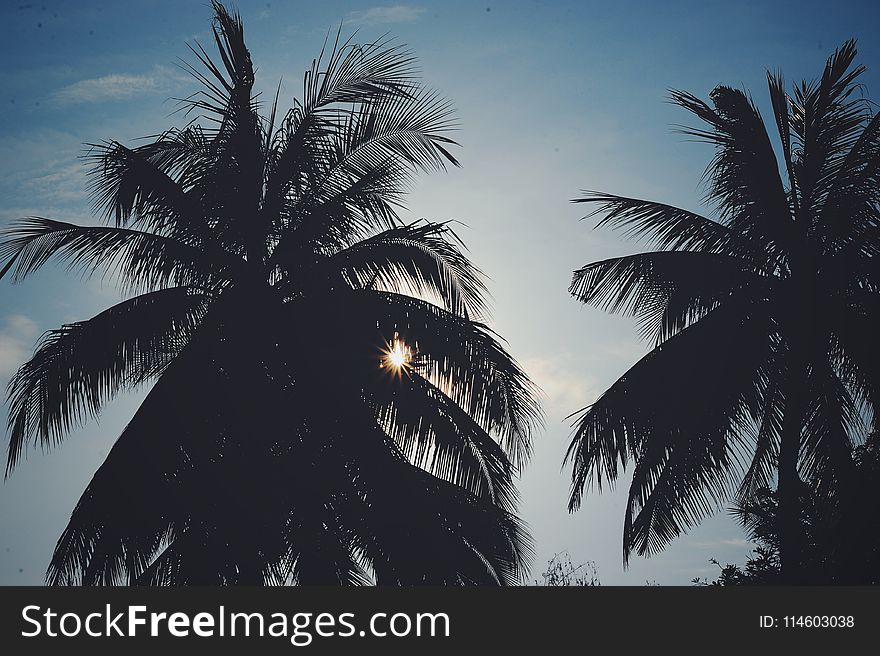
x=227 y=94
x=781 y=102
x=411 y=128
x=416 y=529
x=353 y=75
x=78 y=367
x=422 y=258
x=438 y=436
x=356 y=73
x=853 y=352
x=406 y=131
x=465 y=358
x=614 y=430
x=830 y=419
x=138 y=259
x=744 y=181
x=167 y=564
x=151 y=187
x=827 y=118
x=324 y=554
x=129 y=183
x=664 y=226
x=762 y=470
x=688 y=479
x=849 y=223
x=666 y=290
x=357 y=209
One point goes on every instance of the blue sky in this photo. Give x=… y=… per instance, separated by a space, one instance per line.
x=553 y=97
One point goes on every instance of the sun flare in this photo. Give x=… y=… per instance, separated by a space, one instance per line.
x=397 y=355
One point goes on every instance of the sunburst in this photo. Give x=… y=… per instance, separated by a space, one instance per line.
x=397 y=355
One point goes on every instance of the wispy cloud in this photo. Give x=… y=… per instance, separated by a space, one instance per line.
x=390 y=14
x=109 y=87
x=16 y=343
x=116 y=86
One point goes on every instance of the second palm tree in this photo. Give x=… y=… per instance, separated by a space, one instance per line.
x=764 y=320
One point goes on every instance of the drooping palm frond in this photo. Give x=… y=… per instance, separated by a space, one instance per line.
x=169 y=567
x=450 y=537
x=324 y=553
x=687 y=483
x=613 y=431
x=114 y=520
x=140 y=260
x=77 y=368
x=179 y=468
x=418 y=529
x=424 y=259
x=155 y=187
x=831 y=419
x=133 y=184
x=464 y=357
x=438 y=436
x=762 y=469
x=855 y=356
x=665 y=290
x=664 y=226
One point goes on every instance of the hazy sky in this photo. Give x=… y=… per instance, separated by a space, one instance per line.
x=553 y=97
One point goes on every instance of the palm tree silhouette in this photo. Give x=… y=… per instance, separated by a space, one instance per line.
x=764 y=320
x=324 y=393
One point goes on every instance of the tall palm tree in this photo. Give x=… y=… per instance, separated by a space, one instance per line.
x=764 y=319
x=324 y=395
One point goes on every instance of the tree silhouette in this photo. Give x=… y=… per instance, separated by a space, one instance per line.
x=324 y=393
x=764 y=320
x=842 y=534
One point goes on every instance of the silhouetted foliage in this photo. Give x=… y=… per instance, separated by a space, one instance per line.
x=842 y=535
x=279 y=443
x=764 y=319
x=561 y=572
x=762 y=567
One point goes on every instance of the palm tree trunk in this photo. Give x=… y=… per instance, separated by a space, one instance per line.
x=791 y=533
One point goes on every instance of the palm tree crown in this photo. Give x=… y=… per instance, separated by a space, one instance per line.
x=280 y=442
x=764 y=319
